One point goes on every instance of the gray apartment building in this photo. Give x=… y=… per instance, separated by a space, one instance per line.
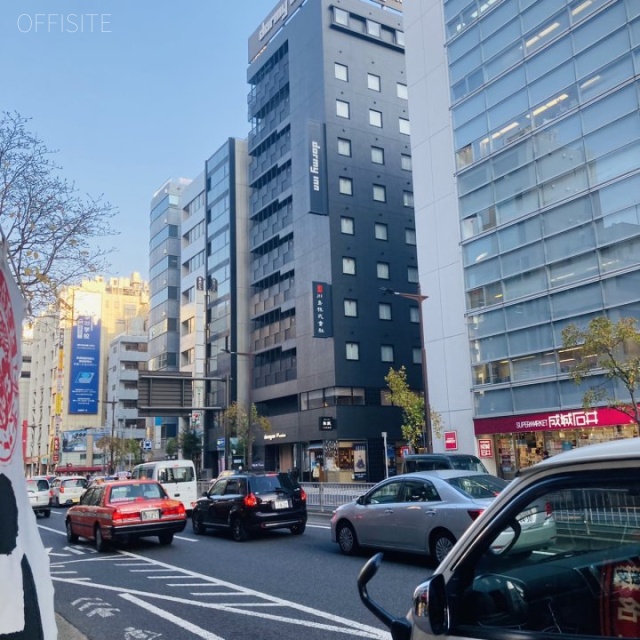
x=331 y=226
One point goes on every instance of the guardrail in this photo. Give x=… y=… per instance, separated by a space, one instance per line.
x=322 y=496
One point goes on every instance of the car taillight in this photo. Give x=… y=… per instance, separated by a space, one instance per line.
x=303 y=495
x=250 y=500
x=474 y=513
x=117 y=515
x=548 y=510
x=178 y=510
x=61 y=489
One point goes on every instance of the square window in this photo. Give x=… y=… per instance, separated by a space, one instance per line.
x=347 y=225
x=402 y=91
x=352 y=351
x=407 y=198
x=351 y=308
x=373 y=82
x=410 y=236
x=340 y=16
x=344 y=147
x=412 y=274
x=384 y=311
x=382 y=231
x=349 y=266
x=373 y=28
x=379 y=193
x=405 y=162
x=403 y=124
x=386 y=353
x=377 y=155
x=375 y=118
x=342 y=109
x=382 y=270
x=346 y=186
x=341 y=71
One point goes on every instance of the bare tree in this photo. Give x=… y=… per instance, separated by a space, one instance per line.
x=51 y=232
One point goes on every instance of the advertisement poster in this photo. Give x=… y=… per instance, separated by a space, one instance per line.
x=84 y=373
x=359 y=462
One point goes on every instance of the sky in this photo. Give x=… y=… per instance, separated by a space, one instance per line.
x=140 y=92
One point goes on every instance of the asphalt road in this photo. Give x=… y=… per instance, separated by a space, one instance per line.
x=275 y=586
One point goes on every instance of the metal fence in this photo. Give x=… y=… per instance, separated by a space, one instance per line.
x=322 y=496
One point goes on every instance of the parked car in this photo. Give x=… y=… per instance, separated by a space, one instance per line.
x=423 y=512
x=432 y=461
x=123 y=510
x=67 y=490
x=245 y=503
x=39 y=495
x=585 y=584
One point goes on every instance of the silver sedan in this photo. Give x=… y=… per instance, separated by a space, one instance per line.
x=423 y=512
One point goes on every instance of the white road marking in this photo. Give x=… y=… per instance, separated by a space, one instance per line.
x=185 y=539
x=181 y=622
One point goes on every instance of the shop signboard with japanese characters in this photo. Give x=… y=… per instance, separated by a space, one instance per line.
x=322 y=317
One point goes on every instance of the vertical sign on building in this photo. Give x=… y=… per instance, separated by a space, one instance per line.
x=84 y=373
x=317 y=169
x=322 y=318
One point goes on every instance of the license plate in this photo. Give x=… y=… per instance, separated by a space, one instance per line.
x=150 y=514
x=281 y=504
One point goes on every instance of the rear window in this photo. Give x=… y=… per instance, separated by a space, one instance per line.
x=478 y=486
x=271 y=483
x=176 y=474
x=467 y=463
x=75 y=482
x=37 y=485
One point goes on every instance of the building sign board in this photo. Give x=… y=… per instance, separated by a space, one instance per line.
x=322 y=316
x=552 y=421
x=85 y=365
x=327 y=423
x=485 y=448
x=317 y=169
x=451 y=440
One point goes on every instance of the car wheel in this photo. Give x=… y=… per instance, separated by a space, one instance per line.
x=347 y=539
x=441 y=543
x=47 y=513
x=298 y=529
x=238 y=530
x=165 y=538
x=72 y=538
x=101 y=544
x=197 y=525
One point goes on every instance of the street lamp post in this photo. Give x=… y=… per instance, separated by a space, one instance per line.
x=249 y=402
x=419 y=298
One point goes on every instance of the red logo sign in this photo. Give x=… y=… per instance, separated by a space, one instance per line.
x=450 y=440
x=10 y=373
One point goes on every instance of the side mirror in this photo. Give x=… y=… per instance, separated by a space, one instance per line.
x=430 y=612
x=204 y=494
x=361 y=500
x=506 y=539
x=399 y=627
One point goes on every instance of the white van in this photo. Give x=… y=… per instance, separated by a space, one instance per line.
x=178 y=477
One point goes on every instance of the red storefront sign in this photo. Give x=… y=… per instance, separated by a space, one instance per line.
x=485 y=448
x=554 y=421
x=450 y=440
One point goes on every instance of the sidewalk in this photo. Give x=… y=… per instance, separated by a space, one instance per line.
x=67 y=631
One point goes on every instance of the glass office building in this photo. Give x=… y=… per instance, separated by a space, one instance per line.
x=542 y=129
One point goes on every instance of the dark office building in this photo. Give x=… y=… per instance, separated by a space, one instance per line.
x=331 y=226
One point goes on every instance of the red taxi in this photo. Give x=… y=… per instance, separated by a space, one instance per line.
x=123 y=510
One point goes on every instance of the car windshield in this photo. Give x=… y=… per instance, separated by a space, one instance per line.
x=467 y=463
x=483 y=486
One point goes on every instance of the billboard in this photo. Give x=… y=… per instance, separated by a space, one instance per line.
x=84 y=372
x=322 y=318
x=317 y=169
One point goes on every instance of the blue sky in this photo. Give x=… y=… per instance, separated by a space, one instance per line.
x=149 y=94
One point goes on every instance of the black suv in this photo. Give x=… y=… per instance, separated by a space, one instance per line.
x=245 y=503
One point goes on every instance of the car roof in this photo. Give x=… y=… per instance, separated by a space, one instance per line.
x=426 y=456
x=625 y=449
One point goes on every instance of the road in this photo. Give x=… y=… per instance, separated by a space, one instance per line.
x=275 y=586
